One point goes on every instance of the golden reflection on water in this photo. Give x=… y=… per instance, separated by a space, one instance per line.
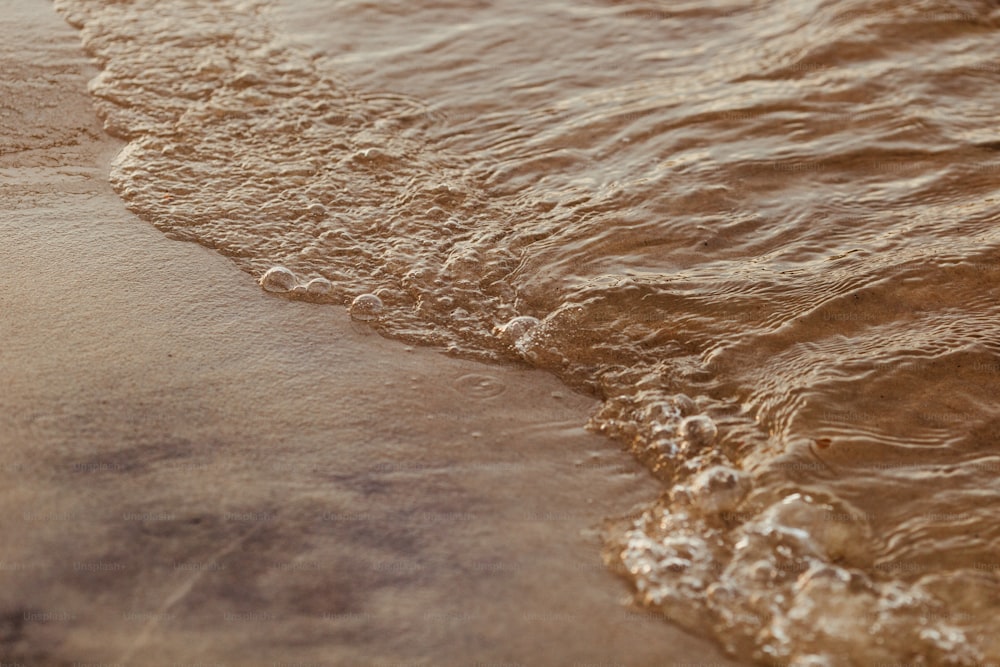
x=778 y=217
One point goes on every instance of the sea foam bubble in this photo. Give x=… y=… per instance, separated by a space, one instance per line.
x=698 y=431
x=278 y=279
x=319 y=286
x=514 y=328
x=720 y=489
x=366 y=307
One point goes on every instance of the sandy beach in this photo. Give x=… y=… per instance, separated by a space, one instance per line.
x=198 y=472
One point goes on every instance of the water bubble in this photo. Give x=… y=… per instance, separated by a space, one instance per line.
x=319 y=286
x=502 y=289
x=662 y=443
x=698 y=431
x=720 y=489
x=278 y=279
x=833 y=528
x=436 y=213
x=515 y=328
x=366 y=308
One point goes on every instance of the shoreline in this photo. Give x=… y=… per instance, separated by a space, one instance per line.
x=213 y=473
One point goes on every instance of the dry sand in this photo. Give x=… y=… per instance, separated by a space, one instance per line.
x=196 y=472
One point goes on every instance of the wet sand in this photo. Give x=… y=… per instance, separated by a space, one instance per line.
x=195 y=471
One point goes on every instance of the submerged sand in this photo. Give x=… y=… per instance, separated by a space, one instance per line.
x=195 y=471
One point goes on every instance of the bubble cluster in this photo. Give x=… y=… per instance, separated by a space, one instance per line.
x=774 y=588
x=720 y=489
x=512 y=330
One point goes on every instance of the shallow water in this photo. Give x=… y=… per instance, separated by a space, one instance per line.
x=764 y=233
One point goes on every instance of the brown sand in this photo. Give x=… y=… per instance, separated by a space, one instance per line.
x=194 y=471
